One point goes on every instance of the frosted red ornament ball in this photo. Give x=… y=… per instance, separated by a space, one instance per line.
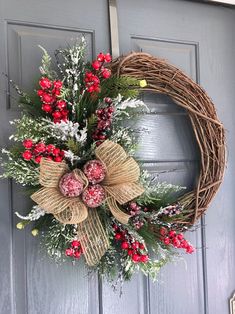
x=95 y=171
x=70 y=185
x=94 y=195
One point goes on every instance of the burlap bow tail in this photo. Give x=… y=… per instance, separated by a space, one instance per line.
x=120 y=184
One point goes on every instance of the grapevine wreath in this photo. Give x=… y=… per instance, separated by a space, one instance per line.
x=74 y=152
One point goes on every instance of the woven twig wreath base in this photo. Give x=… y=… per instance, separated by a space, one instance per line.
x=165 y=78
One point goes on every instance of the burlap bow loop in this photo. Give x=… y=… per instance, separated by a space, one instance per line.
x=121 y=180
x=120 y=184
x=65 y=209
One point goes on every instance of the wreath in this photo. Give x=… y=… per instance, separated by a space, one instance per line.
x=74 y=151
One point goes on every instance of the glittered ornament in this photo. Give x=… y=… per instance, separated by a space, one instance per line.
x=94 y=171
x=93 y=196
x=70 y=185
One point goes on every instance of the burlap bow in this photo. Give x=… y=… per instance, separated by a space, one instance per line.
x=120 y=184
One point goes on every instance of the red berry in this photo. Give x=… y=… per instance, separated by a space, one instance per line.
x=75 y=244
x=91 y=89
x=38 y=159
x=56 y=151
x=106 y=73
x=176 y=243
x=27 y=155
x=46 y=108
x=64 y=112
x=99 y=112
x=180 y=236
x=133 y=206
x=135 y=257
x=102 y=125
x=130 y=252
x=89 y=75
x=95 y=79
x=118 y=236
x=39 y=148
x=50 y=148
x=69 y=252
x=135 y=245
x=108 y=100
x=111 y=109
x=100 y=57
x=172 y=233
x=56 y=115
x=144 y=258
x=58 y=159
x=45 y=83
x=107 y=58
x=163 y=231
x=56 y=92
x=28 y=143
x=96 y=65
x=115 y=227
x=141 y=246
x=124 y=245
x=47 y=98
x=190 y=249
x=61 y=104
x=96 y=88
x=40 y=92
x=167 y=241
x=77 y=254
x=58 y=84
x=184 y=244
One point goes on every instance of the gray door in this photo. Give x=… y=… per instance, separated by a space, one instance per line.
x=197 y=37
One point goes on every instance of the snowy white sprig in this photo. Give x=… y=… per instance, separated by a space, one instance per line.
x=22 y=171
x=33 y=215
x=71 y=156
x=123 y=104
x=27 y=127
x=66 y=130
x=125 y=137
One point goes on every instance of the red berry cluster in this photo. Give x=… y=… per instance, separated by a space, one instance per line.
x=135 y=211
x=49 y=94
x=75 y=249
x=134 y=208
x=171 y=237
x=104 y=116
x=92 y=80
x=36 y=151
x=136 y=250
x=172 y=210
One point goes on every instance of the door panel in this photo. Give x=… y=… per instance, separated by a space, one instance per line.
x=199 y=39
x=30 y=282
